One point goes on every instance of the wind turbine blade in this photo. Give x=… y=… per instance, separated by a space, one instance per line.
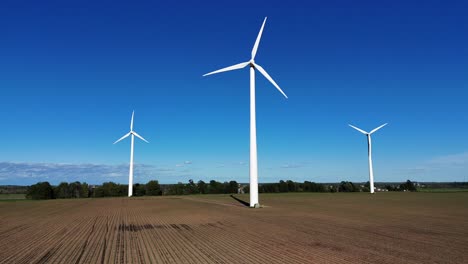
x=378 y=128
x=131 y=122
x=257 y=42
x=126 y=135
x=230 y=68
x=262 y=71
x=135 y=133
x=358 y=129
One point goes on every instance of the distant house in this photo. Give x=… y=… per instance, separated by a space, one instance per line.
x=240 y=189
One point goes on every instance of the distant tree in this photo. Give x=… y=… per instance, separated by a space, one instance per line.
x=153 y=188
x=313 y=187
x=84 y=191
x=192 y=188
x=215 y=187
x=111 y=189
x=291 y=186
x=408 y=186
x=283 y=186
x=202 y=187
x=177 y=189
x=232 y=187
x=62 y=191
x=139 y=189
x=268 y=188
x=74 y=189
x=40 y=190
x=366 y=187
x=346 y=186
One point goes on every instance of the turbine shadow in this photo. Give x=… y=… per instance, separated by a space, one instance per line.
x=240 y=201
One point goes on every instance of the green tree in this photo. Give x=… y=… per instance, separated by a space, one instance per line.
x=74 y=189
x=408 y=186
x=111 y=189
x=346 y=186
x=366 y=187
x=215 y=187
x=291 y=186
x=202 y=187
x=153 y=188
x=191 y=188
x=84 y=191
x=139 y=189
x=40 y=190
x=313 y=187
x=62 y=191
x=283 y=186
x=232 y=187
x=177 y=189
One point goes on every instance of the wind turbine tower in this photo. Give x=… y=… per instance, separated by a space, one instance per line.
x=132 y=138
x=369 y=148
x=253 y=127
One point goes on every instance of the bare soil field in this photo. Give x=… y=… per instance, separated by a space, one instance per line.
x=290 y=228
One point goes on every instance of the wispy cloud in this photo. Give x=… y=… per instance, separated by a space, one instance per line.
x=441 y=168
x=183 y=164
x=28 y=173
x=241 y=163
x=291 y=166
x=454 y=160
x=295 y=165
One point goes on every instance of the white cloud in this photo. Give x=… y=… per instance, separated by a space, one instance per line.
x=291 y=166
x=453 y=160
x=29 y=173
x=183 y=164
x=294 y=165
x=453 y=167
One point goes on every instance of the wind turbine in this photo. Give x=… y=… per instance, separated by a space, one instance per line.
x=132 y=134
x=369 y=148
x=253 y=129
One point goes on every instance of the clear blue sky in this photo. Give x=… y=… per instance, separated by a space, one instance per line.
x=71 y=73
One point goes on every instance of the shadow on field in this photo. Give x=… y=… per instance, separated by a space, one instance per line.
x=240 y=201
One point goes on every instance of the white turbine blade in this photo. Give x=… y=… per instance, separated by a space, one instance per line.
x=126 y=135
x=257 y=42
x=378 y=128
x=230 y=68
x=131 y=122
x=135 y=133
x=262 y=71
x=358 y=129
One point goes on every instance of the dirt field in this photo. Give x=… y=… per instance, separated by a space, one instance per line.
x=292 y=228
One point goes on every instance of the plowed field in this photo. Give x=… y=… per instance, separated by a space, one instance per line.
x=291 y=228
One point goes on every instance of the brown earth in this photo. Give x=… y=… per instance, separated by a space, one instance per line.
x=291 y=228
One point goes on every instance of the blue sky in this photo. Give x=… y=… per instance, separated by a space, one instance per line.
x=71 y=74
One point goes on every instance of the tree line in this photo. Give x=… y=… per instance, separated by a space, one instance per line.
x=43 y=190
